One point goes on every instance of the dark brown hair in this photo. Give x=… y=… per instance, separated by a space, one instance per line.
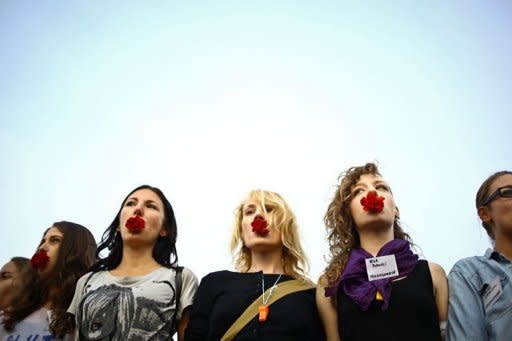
x=20 y=262
x=483 y=193
x=75 y=256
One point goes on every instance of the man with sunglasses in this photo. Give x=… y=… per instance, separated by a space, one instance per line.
x=480 y=306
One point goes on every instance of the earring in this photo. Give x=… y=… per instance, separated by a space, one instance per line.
x=113 y=240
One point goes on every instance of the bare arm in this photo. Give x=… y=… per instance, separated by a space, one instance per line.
x=183 y=323
x=327 y=310
x=440 y=293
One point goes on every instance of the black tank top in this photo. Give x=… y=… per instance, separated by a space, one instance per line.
x=411 y=315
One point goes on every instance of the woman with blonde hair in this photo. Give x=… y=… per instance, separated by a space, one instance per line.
x=374 y=286
x=270 y=297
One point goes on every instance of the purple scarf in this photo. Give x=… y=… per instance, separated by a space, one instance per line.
x=354 y=280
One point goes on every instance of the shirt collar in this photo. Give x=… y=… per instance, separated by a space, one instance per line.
x=493 y=254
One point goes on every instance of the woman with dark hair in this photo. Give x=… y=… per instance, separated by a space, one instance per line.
x=374 y=286
x=9 y=279
x=137 y=291
x=38 y=309
x=481 y=287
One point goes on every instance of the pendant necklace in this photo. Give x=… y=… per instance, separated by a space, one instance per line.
x=263 y=309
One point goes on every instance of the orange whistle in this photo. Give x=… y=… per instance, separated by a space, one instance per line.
x=263 y=313
x=378 y=296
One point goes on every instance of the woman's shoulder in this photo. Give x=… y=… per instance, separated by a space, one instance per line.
x=221 y=275
x=188 y=276
x=187 y=272
x=228 y=277
x=470 y=264
x=436 y=269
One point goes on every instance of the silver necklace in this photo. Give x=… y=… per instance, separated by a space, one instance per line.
x=263 y=309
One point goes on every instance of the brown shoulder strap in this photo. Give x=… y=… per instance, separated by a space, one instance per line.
x=280 y=291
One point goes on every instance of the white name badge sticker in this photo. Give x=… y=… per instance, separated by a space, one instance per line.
x=492 y=293
x=381 y=267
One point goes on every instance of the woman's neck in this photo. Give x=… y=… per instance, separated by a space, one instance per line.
x=503 y=244
x=372 y=241
x=136 y=262
x=269 y=262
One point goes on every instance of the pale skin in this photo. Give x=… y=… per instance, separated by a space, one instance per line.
x=498 y=215
x=50 y=243
x=266 y=251
x=137 y=259
x=375 y=230
x=8 y=274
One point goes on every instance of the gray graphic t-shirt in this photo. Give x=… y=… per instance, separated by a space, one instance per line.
x=108 y=307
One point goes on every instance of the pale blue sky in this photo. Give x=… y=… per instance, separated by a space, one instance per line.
x=208 y=100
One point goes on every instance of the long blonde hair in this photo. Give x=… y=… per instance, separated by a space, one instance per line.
x=281 y=217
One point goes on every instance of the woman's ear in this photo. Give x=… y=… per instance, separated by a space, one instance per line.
x=164 y=232
x=484 y=214
x=397 y=213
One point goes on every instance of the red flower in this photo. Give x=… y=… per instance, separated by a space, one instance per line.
x=135 y=224
x=39 y=259
x=259 y=226
x=372 y=203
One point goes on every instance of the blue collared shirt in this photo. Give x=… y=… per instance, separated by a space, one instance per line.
x=480 y=306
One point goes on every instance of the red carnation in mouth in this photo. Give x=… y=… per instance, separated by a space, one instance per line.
x=373 y=203
x=135 y=224
x=39 y=259
x=259 y=226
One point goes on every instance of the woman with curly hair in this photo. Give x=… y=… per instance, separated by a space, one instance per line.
x=136 y=291
x=38 y=309
x=270 y=297
x=374 y=286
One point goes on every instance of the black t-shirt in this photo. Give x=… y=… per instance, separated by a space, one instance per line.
x=223 y=296
x=411 y=315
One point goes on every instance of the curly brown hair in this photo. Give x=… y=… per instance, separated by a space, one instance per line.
x=342 y=233
x=76 y=255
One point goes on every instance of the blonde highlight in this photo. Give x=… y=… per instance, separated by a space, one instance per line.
x=281 y=217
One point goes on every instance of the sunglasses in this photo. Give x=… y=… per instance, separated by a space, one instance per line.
x=504 y=192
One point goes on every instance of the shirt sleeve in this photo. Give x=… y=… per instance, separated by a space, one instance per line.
x=188 y=290
x=198 y=325
x=466 y=320
x=77 y=297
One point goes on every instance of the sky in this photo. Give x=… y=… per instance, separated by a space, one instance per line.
x=209 y=100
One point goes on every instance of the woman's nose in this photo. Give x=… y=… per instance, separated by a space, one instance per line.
x=259 y=213
x=138 y=210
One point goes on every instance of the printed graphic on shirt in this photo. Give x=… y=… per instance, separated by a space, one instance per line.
x=29 y=337
x=113 y=312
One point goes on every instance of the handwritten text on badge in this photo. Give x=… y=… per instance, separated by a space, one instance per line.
x=381 y=267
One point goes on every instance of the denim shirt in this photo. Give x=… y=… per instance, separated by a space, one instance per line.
x=480 y=306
